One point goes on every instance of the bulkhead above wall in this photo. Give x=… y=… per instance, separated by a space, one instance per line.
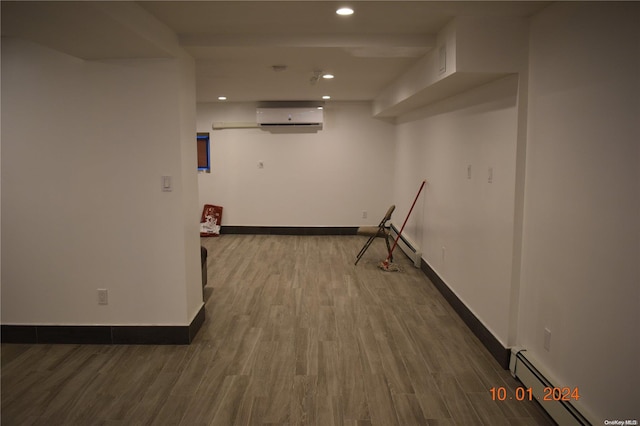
x=471 y=51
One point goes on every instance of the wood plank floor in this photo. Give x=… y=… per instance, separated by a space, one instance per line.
x=295 y=334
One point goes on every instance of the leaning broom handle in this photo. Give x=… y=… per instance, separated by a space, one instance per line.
x=395 y=243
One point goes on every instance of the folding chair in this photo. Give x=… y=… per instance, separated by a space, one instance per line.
x=373 y=232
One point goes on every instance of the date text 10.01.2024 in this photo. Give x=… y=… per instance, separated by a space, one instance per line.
x=526 y=394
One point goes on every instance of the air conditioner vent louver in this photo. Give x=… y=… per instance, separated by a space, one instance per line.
x=301 y=116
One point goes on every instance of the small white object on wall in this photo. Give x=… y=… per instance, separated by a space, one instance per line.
x=166 y=184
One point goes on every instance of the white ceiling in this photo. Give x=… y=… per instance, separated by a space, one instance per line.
x=237 y=43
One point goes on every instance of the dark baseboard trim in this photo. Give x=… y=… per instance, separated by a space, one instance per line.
x=196 y=323
x=290 y=230
x=104 y=334
x=493 y=345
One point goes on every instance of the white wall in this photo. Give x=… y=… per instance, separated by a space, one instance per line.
x=579 y=272
x=581 y=252
x=464 y=226
x=309 y=179
x=84 y=146
x=190 y=209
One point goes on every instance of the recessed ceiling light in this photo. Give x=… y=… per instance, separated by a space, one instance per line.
x=326 y=97
x=222 y=98
x=328 y=76
x=344 y=11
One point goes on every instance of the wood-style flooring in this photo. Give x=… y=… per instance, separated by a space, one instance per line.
x=295 y=334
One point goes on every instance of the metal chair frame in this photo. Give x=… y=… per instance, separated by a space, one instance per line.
x=382 y=231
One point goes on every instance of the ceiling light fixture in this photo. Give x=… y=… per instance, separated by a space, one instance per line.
x=222 y=98
x=326 y=97
x=327 y=76
x=344 y=11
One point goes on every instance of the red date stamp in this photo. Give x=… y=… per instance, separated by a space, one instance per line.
x=527 y=394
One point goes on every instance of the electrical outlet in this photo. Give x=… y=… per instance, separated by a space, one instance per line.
x=103 y=296
x=364 y=214
x=469 y=171
x=490 y=177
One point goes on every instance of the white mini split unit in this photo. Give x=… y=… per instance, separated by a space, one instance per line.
x=306 y=117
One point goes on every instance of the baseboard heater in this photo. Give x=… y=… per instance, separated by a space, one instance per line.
x=408 y=246
x=549 y=396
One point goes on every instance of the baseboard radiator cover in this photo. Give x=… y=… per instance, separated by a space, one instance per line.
x=562 y=412
x=408 y=246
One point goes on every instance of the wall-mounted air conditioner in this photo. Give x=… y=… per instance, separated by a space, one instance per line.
x=310 y=117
